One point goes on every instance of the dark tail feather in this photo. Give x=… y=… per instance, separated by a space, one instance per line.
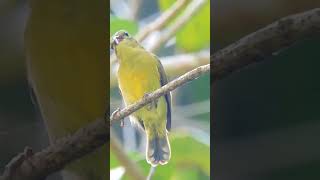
x=158 y=150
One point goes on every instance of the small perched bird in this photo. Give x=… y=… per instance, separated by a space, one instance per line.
x=140 y=72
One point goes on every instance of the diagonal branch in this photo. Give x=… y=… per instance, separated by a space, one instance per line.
x=265 y=42
x=187 y=77
x=191 y=10
x=161 y=21
x=53 y=158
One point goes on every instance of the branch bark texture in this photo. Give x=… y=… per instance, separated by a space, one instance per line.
x=187 y=77
x=53 y=158
x=39 y=165
x=265 y=42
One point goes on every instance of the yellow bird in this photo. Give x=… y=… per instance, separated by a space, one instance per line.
x=140 y=73
x=67 y=69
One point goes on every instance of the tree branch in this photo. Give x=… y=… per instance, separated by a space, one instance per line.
x=187 y=77
x=53 y=158
x=189 y=12
x=56 y=156
x=161 y=21
x=265 y=42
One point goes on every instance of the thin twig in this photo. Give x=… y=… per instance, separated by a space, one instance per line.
x=161 y=21
x=187 y=77
x=151 y=172
x=189 y=12
x=265 y=42
x=130 y=167
x=135 y=7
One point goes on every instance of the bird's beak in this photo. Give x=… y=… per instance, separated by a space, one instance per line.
x=115 y=41
x=112 y=45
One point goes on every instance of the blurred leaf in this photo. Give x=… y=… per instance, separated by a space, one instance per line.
x=195 y=35
x=185 y=174
x=187 y=151
x=134 y=156
x=190 y=93
x=166 y=4
x=113 y=160
x=117 y=24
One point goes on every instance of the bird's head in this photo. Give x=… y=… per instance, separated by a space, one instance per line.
x=118 y=37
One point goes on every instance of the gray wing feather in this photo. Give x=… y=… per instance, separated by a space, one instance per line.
x=163 y=81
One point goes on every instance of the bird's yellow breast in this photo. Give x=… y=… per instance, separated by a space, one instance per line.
x=138 y=73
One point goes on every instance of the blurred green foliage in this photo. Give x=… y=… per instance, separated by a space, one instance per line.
x=195 y=35
x=117 y=24
x=190 y=159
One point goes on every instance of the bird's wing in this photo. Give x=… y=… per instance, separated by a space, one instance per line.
x=163 y=81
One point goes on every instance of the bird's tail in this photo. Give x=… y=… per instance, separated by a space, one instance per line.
x=158 y=150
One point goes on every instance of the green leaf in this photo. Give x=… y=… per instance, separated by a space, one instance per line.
x=134 y=156
x=187 y=151
x=117 y=24
x=113 y=161
x=185 y=173
x=195 y=35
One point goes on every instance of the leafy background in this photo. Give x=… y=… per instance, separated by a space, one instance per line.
x=189 y=138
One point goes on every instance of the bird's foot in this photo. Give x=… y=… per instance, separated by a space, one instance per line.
x=117 y=113
x=121 y=123
x=153 y=104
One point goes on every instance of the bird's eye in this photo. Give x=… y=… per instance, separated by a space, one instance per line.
x=126 y=34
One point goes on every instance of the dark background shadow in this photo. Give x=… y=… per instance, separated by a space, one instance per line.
x=266 y=116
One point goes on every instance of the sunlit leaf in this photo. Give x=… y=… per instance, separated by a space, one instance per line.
x=195 y=35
